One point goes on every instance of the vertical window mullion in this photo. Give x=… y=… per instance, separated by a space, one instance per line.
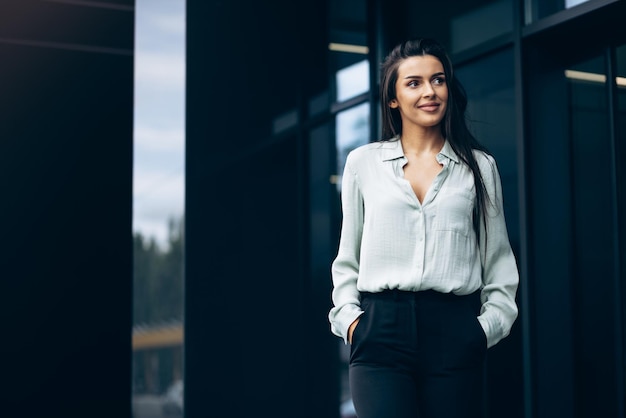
x=618 y=293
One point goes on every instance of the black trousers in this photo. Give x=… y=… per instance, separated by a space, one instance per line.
x=418 y=355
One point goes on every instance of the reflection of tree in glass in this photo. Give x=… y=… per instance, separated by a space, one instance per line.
x=158 y=277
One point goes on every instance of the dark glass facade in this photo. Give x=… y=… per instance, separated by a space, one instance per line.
x=262 y=214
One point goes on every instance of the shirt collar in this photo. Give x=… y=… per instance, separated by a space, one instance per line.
x=448 y=152
x=392 y=149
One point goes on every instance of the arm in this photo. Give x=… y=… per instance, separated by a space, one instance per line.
x=500 y=274
x=345 y=267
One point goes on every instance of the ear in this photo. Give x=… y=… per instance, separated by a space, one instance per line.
x=393 y=104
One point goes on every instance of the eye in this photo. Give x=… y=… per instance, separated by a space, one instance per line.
x=439 y=81
x=413 y=83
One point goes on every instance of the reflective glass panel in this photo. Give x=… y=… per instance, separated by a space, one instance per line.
x=347 y=23
x=352 y=130
x=350 y=72
x=481 y=23
x=621 y=169
x=158 y=209
x=491 y=117
x=353 y=80
x=538 y=9
x=593 y=232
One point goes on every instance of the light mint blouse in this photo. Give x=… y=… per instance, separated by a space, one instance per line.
x=389 y=240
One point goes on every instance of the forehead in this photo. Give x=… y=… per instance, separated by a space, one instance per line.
x=420 y=65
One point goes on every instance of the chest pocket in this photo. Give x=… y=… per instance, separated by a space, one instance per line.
x=454 y=211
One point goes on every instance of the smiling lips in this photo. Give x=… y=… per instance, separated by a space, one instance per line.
x=429 y=107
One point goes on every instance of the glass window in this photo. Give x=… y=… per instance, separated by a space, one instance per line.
x=348 y=48
x=352 y=130
x=350 y=75
x=538 y=9
x=593 y=251
x=481 y=24
x=572 y=3
x=491 y=115
x=353 y=80
x=158 y=208
x=621 y=170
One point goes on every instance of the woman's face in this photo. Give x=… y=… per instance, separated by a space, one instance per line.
x=421 y=92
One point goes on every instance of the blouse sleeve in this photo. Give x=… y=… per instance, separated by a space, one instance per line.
x=500 y=274
x=345 y=268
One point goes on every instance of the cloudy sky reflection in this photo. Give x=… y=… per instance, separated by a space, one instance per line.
x=159 y=143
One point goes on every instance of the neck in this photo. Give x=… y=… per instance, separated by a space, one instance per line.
x=418 y=141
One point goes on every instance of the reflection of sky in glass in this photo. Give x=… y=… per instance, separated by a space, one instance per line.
x=352 y=80
x=159 y=137
x=352 y=130
x=572 y=3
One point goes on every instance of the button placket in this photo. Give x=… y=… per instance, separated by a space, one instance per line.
x=405 y=184
x=421 y=242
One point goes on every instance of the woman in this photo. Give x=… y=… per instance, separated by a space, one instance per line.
x=424 y=281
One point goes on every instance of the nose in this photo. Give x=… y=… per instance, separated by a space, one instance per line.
x=428 y=90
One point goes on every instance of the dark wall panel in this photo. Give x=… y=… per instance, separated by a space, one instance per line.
x=596 y=316
x=66 y=176
x=249 y=346
x=572 y=235
x=551 y=238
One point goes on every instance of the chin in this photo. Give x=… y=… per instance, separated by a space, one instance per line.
x=432 y=123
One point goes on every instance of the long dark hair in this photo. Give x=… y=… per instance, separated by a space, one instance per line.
x=453 y=127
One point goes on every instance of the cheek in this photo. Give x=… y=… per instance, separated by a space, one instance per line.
x=444 y=100
x=442 y=94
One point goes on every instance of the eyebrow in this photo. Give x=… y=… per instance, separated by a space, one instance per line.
x=419 y=76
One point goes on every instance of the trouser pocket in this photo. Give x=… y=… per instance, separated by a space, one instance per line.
x=466 y=342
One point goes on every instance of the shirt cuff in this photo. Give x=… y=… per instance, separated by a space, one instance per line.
x=343 y=319
x=492 y=330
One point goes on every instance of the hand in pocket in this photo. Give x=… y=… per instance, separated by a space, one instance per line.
x=351 y=329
